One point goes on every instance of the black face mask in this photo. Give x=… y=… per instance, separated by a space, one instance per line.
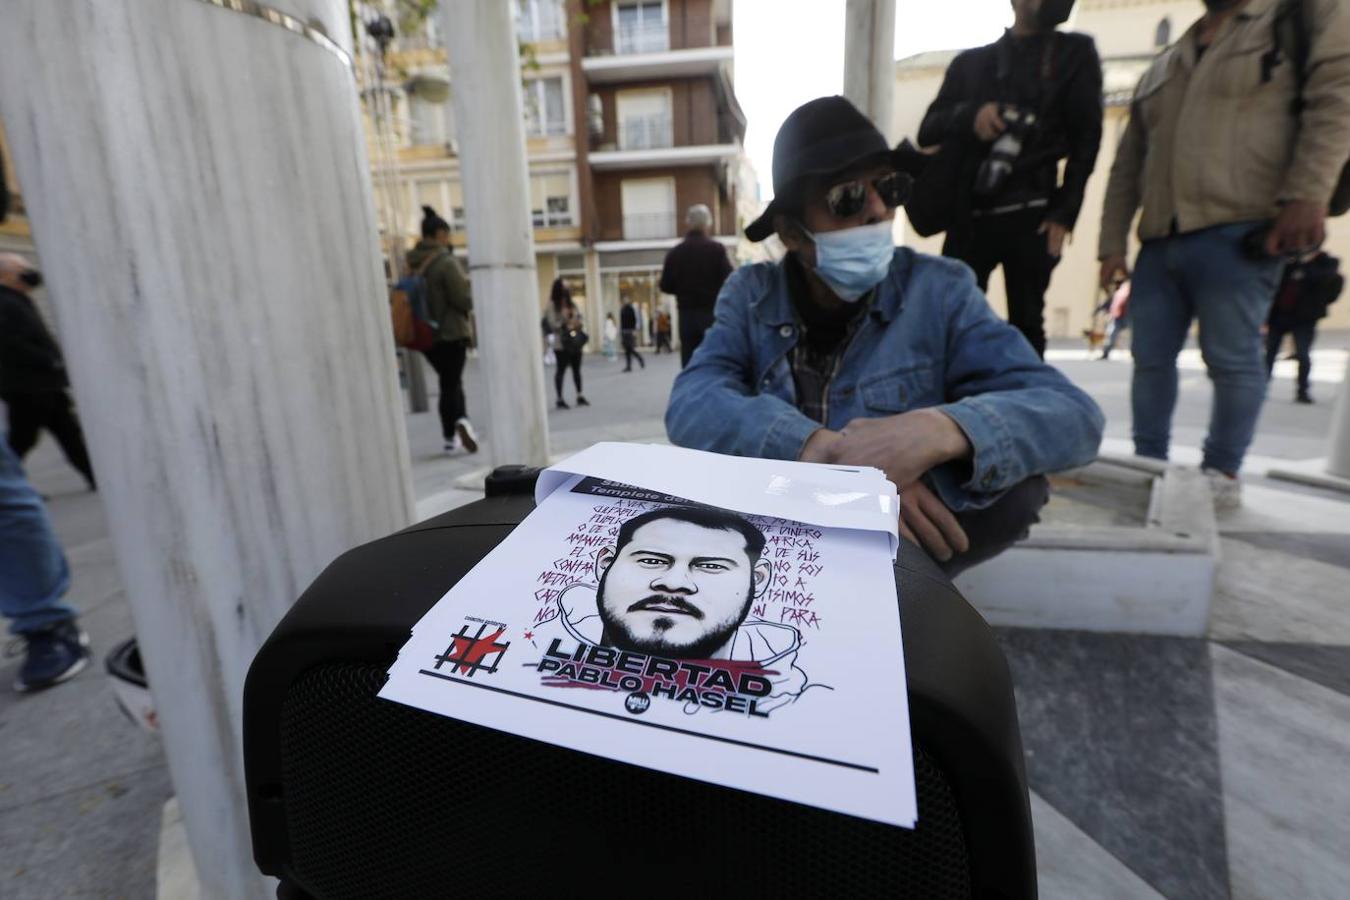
x=31 y=277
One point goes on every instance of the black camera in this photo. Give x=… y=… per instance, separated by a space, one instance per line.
x=1003 y=154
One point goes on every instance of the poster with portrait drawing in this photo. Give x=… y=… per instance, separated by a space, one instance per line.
x=738 y=647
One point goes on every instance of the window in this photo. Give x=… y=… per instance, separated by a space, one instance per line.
x=640 y=27
x=551 y=200
x=595 y=115
x=539 y=20
x=648 y=208
x=430 y=121
x=644 y=119
x=444 y=196
x=455 y=205
x=545 y=112
x=1163 y=36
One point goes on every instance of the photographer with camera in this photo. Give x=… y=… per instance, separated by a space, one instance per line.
x=1235 y=149
x=1013 y=110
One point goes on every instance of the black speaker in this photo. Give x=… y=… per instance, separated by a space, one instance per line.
x=352 y=796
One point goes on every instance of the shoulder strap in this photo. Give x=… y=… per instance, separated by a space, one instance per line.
x=1302 y=47
x=1292 y=39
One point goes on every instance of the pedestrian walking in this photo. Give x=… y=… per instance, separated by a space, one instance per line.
x=1010 y=112
x=34 y=576
x=663 y=331
x=693 y=271
x=33 y=381
x=1309 y=285
x=1213 y=246
x=611 y=335
x=628 y=330
x=564 y=321
x=449 y=305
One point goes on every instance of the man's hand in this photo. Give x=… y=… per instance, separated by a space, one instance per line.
x=1301 y=227
x=988 y=123
x=903 y=446
x=927 y=521
x=1055 y=234
x=1113 y=271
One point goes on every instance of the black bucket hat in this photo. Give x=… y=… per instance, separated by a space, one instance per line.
x=825 y=135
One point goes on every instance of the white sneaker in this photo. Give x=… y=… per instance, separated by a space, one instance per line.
x=1225 y=489
x=464 y=431
x=452 y=447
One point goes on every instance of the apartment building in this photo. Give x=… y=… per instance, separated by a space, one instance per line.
x=630 y=118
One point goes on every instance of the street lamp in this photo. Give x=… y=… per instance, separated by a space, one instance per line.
x=380 y=30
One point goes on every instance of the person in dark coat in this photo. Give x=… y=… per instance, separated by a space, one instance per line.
x=1016 y=108
x=694 y=270
x=563 y=321
x=1307 y=288
x=450 y=306
x=33 y=382
x=628 y=331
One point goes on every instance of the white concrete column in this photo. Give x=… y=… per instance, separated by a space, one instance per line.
x=485 y=72
x=1338 y=453
x=594 y=286
x=199 y=192
x=869 y=60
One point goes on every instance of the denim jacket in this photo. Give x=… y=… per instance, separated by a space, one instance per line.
x=929 y=339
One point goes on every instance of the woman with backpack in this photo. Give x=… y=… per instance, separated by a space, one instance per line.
x=564 y=323
x=449 y=304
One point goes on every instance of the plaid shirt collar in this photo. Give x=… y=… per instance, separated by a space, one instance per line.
x=814 y=368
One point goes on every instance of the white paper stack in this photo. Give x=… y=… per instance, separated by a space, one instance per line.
x=726 y=619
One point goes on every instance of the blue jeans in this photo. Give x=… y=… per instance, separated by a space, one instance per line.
x=1201 y=275
x=33 y=571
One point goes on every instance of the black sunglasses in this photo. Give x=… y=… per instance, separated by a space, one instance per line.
x=848 y=199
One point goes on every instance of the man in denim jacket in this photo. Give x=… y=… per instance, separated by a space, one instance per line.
x=854 y=352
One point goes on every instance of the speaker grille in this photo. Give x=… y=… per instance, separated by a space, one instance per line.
x=383 y=800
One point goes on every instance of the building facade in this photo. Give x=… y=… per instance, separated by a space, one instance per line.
x=1129 y=33
x=630 y=118
x=15 y=234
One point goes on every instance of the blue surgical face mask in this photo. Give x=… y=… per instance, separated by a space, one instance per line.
x=852 y=261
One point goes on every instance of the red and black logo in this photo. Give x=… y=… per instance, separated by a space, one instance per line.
x=471 y=653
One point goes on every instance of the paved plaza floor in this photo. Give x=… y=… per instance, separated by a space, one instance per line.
x=1182 y=768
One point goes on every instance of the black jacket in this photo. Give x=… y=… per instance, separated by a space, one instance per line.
x=694 y=271
x=1063 y=87
x=628 y=319
x=1306 y=290
x=30 y=360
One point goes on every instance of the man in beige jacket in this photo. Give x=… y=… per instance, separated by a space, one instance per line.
x=1233 y=173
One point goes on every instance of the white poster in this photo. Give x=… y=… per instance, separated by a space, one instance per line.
x=740 y=648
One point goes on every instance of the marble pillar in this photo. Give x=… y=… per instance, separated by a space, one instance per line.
x=869 y=60
x=198 y=186
x=485 y=74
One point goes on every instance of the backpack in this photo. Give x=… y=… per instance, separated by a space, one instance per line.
x=1292 y=30
x=413 y=327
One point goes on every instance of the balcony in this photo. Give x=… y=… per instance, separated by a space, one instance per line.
x=642 y=39
x=656 y=50
x=662 y=157
x=646 y=132
x=649 y=226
